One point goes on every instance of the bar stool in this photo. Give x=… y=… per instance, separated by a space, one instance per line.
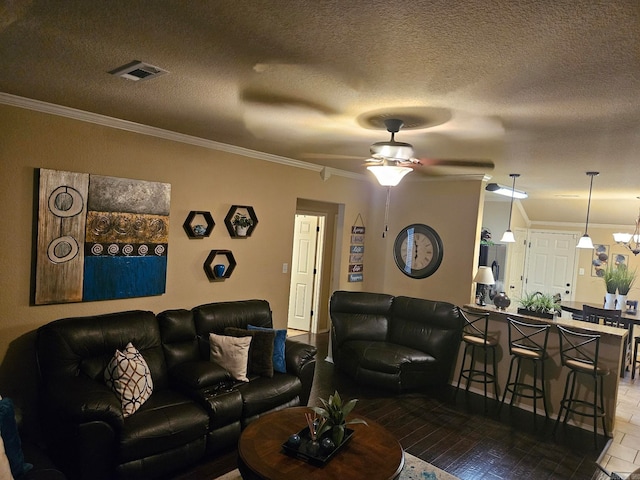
x=579 y=353
x=474 y=336
x=527 y=342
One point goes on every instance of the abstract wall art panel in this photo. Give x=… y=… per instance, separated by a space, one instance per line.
x=100 y=238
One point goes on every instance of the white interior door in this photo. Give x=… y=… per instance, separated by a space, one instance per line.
x=551 y=264
x=303 y=264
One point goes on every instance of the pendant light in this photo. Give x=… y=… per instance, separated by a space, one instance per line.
x=585 y=240
x=508 y=237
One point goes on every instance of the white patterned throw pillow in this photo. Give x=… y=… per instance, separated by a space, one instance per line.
x=128 y=375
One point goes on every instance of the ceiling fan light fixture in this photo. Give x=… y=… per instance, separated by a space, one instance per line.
x=389 y=175
x=391 y=151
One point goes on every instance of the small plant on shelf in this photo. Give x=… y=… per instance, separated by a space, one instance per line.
x=241 y=220
x=241 y=223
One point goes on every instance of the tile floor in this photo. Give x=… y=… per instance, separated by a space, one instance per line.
x=623 y=453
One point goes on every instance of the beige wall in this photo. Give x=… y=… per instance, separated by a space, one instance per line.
x=205 y=179
x=452 y=209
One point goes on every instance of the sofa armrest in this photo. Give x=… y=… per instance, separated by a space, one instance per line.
x=297 y=355
x=301 y=361
x=81 y=400
x=197 y=374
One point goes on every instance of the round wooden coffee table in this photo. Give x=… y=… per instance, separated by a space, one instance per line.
x=372 y=452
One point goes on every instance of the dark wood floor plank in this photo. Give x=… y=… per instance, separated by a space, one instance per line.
x=456 y=436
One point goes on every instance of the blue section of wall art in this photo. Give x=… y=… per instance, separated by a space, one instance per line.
x=107 y=278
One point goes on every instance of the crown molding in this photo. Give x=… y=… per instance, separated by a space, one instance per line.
x=103 y=120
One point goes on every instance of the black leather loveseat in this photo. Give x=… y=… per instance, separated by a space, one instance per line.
x=397 y=343
x=195 y=409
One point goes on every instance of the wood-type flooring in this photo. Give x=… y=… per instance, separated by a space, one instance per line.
x=456 y=436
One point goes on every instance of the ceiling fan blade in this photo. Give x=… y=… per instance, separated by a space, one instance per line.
x=274 y=99
x=451 y=162
x=330 y=156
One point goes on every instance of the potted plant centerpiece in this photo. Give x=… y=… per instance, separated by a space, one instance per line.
x=610 y=277
x=625 y=280
x=334 y=417
x=538 y=304
x=241 y=223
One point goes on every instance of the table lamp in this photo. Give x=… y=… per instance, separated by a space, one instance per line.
x=483 y=277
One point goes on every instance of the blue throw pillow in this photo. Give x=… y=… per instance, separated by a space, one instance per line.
x=279 y=363
x=11 y=439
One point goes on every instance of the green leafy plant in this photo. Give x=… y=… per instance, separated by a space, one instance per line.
x=625 y=279
x=334 y=416
x=540 y=302
x=485 y=237
x=610 y=277
x=241 y=220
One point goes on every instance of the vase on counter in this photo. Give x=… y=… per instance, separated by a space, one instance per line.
x=610 y=301
x=621 y=302
x=501 y=301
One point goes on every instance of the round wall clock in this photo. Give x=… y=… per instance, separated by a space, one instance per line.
x=418 y=251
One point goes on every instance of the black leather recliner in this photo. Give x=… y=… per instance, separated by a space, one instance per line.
x=396 y=343
x=194 y=410
x=185 y=338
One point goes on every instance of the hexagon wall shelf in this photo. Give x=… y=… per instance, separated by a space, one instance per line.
x=194 y=231
x=228 y=220
x=209 y=268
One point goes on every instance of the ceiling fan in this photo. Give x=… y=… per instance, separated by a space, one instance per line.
x=390 y=161
x=395 y=153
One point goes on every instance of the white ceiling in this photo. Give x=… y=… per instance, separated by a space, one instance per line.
x=547 y=89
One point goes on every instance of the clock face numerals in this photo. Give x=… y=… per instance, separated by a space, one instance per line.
x=418 y=251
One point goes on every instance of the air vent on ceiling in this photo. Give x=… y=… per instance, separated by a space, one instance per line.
x=138 y=70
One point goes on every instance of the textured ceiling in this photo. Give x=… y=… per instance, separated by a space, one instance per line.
x=547 y=89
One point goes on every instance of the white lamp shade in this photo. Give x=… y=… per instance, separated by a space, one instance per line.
x=508 y=237
x=585 y=242
x=389 y=175
x=622 y=237
x=484 y=275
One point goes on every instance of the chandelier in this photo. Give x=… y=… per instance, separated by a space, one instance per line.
x=630 y=240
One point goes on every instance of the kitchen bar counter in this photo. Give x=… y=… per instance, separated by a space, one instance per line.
x=611 y=350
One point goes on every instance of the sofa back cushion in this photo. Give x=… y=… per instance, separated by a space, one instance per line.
x=215 y=317
x=426 y=325
x=360 y=315
x=179 y=337
x=85 y=345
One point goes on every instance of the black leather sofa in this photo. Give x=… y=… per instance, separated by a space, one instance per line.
x=396 y=343
x=195 y=409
